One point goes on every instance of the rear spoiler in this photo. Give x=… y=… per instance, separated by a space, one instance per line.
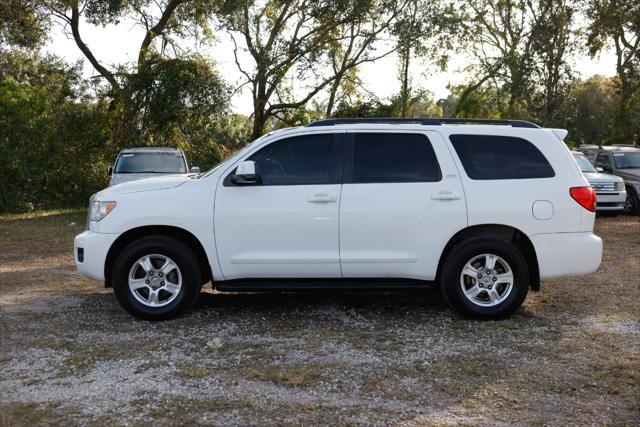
x=560 y=133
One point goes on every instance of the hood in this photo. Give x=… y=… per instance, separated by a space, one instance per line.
x=601 y=177
x=119 y=178
x=631 y=174
x=149 y=184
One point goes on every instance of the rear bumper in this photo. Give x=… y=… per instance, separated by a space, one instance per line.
x=567 y=254
x=90 y=252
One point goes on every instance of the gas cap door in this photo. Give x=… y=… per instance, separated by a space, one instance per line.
x=542 y=209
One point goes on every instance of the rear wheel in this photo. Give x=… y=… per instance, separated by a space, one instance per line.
x=485 y=278
x=156 y=278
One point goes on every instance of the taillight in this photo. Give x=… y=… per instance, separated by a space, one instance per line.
x=586 y=196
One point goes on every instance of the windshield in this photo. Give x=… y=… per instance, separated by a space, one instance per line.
x=630 y=160
x=584 y=164
x=154 y=162
x=234 y=156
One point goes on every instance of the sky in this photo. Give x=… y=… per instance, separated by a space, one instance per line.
x=116 y=45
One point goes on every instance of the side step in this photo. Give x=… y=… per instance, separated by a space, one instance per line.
x=355 y=284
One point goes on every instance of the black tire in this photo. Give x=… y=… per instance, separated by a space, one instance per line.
x=177 y=251
x=632 y=204
x=465 y=251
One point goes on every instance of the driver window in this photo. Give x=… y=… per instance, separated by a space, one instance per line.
x=603 y=162
x=298 y=160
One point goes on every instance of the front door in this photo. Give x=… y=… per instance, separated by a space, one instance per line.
x=287 y=226
x=402 y=200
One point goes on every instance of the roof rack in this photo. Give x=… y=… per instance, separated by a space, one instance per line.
x=431 y=121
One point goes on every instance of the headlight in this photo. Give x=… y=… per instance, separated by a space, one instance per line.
x=620 y=186
x=100 y=209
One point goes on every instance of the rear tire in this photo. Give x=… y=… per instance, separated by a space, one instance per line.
x=485 y=278
x=157 y=278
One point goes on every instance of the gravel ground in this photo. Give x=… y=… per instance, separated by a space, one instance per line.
x=70 y=355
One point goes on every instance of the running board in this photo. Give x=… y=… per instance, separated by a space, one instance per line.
x=355 y=284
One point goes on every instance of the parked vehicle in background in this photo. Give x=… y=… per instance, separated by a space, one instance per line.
x=485 y=209
x=145 y=162
x=623 y=161
x=610 y=190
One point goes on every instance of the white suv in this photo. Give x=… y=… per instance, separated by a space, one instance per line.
x=485 y=209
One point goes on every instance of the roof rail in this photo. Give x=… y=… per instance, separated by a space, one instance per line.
x=431 y=121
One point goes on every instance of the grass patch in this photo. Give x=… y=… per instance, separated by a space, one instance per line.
x=296 y=376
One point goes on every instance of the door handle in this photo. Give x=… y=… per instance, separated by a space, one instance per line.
x=322 y=198
x=445 y=195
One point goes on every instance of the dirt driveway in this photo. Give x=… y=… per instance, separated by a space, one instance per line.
x=70 y=355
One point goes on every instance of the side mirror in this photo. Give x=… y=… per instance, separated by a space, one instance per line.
x=599 y=169
x=246 y=174
x=195 y=169
x=110 y=170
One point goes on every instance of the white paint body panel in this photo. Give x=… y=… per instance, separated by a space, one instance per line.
x=371 y=230
x=400 y=229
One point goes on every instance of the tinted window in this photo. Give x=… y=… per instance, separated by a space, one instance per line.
x=294 y=161
x=384 y=157
x=150 y=163
x=628 y=160
x=500 y=157
x=603 y=161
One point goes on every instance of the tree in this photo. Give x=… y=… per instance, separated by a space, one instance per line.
x=553 y=48
x=355 y=42
x=518 y=43
x=617 y=23
x=291 y=40
x=21 y=23
x=425 y=28
x=52 y=144
x=589 y=110
x=164 y=74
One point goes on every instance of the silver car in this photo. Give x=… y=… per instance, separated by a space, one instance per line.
x=610 y=189
x=145 y=162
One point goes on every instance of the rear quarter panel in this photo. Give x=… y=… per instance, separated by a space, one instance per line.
x=510 y=201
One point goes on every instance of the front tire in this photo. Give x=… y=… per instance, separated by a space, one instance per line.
x=485 y=278
x=157 y=278
x=632 y=204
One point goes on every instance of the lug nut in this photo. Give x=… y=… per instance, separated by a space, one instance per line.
x=151 y=273
x=161 y=283
x=146 y=281
x=160 y=274
x=479 y=276
x=495 y=278
x=490 y=286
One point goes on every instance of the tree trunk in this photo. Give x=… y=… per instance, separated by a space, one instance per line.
x=332 y=95
x=405 y=54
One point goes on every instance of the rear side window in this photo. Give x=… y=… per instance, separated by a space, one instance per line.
x=386 y=157
x=500 y=157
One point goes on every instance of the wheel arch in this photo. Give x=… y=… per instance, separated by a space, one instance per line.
x=134 y=234
x=505 y=232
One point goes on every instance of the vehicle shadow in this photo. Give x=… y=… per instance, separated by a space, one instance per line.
x=389 y=301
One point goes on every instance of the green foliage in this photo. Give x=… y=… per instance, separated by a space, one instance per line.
x=21 y=24
x=52 y=145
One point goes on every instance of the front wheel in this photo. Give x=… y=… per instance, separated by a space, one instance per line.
x=485 y=278
x=156 y=278
x=631 y=204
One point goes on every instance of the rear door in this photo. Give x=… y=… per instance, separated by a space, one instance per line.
x=401 y=202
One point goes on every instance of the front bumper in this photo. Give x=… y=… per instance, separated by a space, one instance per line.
x=567 y=254
x=611 y=201
x=90 y=253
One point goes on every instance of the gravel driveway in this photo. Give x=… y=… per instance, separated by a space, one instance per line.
x=70 y=355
